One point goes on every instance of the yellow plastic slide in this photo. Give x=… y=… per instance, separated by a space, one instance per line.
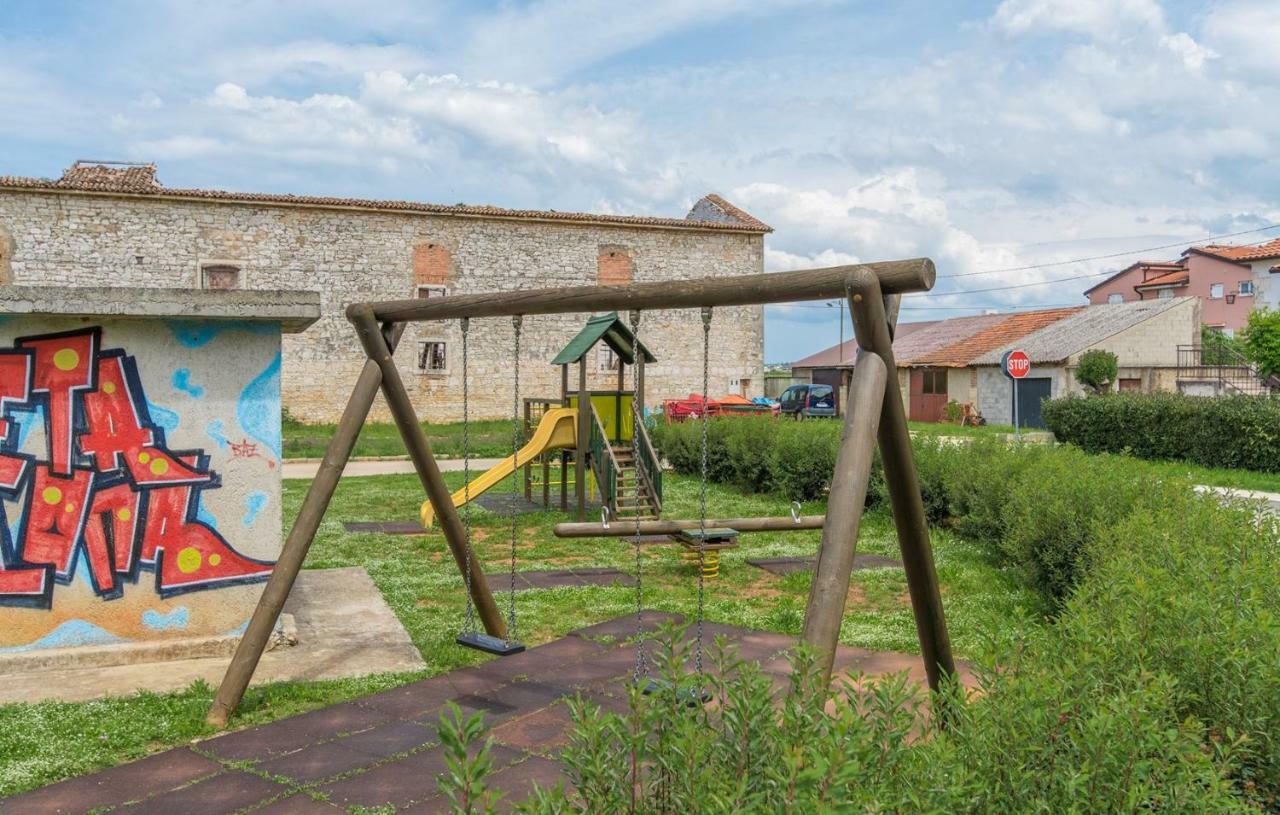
x=557 y=430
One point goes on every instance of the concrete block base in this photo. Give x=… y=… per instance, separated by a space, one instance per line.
x=335 y=625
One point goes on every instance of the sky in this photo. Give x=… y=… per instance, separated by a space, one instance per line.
x=1005 y=140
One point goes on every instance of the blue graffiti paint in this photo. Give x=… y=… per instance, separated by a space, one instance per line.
x=156 y=621
x=70 y=634
x=205 y=517
x=182 y=383
x=197 y=334
x=214 y=431
x=27 y=420
x=253 y=504
x=162 y=417
x=258 y=410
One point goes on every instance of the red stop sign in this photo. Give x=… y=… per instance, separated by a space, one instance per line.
x=1017 y=364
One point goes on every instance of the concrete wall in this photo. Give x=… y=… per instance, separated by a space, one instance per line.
x=139 y=477
x=1265 y=282
x=1153 y=342
x=348 y=255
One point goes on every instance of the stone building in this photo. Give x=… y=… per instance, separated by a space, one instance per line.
x=117 y=225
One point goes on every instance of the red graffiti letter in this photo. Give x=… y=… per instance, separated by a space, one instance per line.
x=64 y=366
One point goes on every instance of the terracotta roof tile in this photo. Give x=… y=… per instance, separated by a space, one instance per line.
x=1011 y=329
x=1270 y=249
x=1179 y=278
x=140 y=180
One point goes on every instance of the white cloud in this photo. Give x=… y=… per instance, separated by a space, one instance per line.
x=1100 y=19
x=1250 y=33
x=776 y=260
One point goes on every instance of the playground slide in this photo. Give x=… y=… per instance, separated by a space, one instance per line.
x=558 y=429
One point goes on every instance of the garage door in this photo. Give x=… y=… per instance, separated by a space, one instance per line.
x=1031 y=392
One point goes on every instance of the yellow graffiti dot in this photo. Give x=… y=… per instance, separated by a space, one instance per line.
x=108 y=387
x=70 y=506
x=124 y=514
x=189 y=560
x=159 y=467
x=144 y=457
x=51 y=495
x=214 y=560
x=66 y=359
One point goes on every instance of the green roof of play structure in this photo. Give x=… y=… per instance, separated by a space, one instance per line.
x=614 y=332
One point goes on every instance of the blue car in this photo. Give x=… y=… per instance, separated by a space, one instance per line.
x=808 y=401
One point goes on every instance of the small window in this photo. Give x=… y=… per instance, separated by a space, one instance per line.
x=791 y=394
x=1246 y=288
x=220 y=276
x=427 y=292
x=1167 y=294
x=1215 y=291
x=433 y=357
x=934 y=381
x=1115 y=299
x=606 y=360
x=822 y=396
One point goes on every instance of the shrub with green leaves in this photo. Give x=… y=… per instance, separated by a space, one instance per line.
x=1097 y=369
x=1262 y=340
x=1231 y=431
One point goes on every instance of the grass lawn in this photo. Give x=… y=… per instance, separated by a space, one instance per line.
x=41 y=743
x=488 y=439
x=947 y=429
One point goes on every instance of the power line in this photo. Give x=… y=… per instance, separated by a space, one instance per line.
x=1114 y=254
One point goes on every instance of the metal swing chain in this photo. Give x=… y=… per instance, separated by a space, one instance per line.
x=516 y=323
x=469 y=624
x=702 y=494
x=641 y=664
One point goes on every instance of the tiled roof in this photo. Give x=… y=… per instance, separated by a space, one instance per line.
x=1178 y=278
x=1168 y=265
x=1012 y=328
x=140 y=180
x=1087 y=327
x=1270 y=249
x=844 y=355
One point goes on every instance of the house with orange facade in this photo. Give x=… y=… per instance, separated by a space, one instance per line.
x=1230 y=281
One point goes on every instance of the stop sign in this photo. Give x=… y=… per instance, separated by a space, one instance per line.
x=1015 y=364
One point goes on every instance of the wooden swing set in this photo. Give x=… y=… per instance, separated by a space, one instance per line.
x=875 y=412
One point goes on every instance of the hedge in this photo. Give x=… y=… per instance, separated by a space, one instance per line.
x=1241 y=432
x=1155 y=688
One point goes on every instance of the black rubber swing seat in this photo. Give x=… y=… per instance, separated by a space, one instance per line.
x=689 y=697
x=489 y=644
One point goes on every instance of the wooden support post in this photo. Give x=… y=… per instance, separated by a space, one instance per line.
x=830 y=586
x=584 y=438
x=419 y=449
x=254 y=641
x=874 y=330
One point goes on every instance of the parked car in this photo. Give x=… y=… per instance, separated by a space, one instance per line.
x=808 y=401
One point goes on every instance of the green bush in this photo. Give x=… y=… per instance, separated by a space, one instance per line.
x=1097 y=369
x=802 y=458
x=1241 y=432
x=1262 y=340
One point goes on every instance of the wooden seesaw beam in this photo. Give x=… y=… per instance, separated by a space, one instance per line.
x=622 y=527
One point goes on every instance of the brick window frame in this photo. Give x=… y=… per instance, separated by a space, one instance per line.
x=213 y=274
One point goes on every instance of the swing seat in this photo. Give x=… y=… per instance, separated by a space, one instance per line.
x=689 y=697
x=489 y=644
x=711 y=538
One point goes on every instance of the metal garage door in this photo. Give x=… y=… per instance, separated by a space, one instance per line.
x=1030 y=392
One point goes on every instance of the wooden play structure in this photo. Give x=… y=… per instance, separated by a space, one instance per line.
x=617 y=460
x=875 y=412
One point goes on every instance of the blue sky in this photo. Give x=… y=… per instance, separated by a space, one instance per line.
x=988 y=136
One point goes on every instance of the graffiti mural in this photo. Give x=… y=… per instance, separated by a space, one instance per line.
x=109 y=496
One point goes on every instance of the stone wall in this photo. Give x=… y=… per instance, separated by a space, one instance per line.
x=349 y=255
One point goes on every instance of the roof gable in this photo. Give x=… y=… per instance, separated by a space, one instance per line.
x=1087 y=327
x=613 y=331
